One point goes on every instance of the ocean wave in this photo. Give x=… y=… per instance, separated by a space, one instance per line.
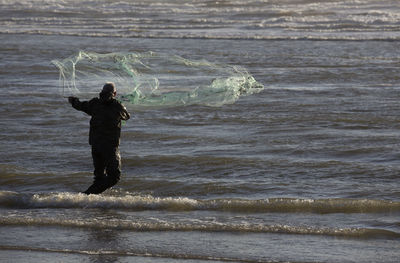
x=201 y=226
x=139 y=253
x=311 y=36
x=139 y=203
x=243 y=19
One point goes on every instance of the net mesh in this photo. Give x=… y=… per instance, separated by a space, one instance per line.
x=155 y=79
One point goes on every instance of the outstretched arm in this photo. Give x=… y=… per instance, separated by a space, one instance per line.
x=79 y=105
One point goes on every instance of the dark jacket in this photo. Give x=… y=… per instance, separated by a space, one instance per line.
x=105 y=124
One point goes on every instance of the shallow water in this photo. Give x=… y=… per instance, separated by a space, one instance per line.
x=305 y=171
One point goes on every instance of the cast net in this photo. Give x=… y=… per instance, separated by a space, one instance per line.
x=155 y=79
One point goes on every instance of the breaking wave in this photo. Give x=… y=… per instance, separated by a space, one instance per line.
x=155 y=79
x=142 y=253
x=202 y=226
x=255 y=20
x=14 y=200
x=148 y=202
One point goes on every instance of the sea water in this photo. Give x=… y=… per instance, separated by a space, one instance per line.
x=304 y=170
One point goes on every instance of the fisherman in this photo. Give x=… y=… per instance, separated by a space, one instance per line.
x=104 y=136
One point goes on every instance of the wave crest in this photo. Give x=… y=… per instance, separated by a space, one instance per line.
x=148 y=202
x=200 y=226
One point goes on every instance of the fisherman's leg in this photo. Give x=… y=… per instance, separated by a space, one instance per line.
x=113 y=168
x=99 y=163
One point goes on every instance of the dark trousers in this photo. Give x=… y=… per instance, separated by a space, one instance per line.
x=107 y=168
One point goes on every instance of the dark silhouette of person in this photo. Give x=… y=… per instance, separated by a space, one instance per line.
x=104 y=136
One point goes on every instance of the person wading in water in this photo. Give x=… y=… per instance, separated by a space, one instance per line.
x=104 y=136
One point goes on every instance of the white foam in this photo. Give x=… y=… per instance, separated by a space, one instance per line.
x=202 y=226
x=148 y=202
x=248 y=19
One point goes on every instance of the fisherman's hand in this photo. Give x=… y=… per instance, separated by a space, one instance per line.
x=72 y=99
